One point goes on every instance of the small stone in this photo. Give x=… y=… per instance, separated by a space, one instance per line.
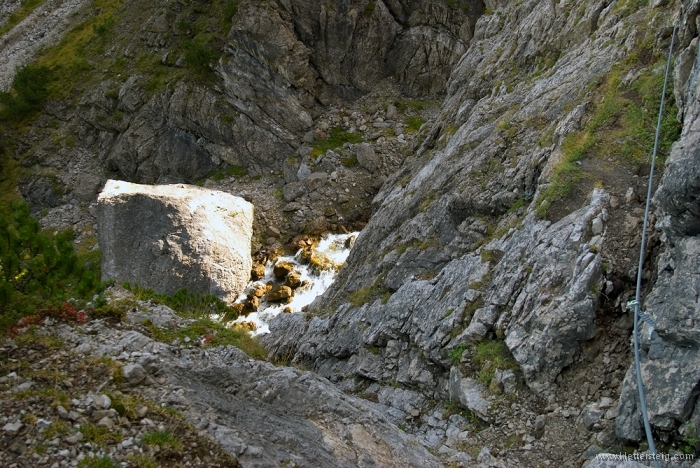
x=73 y=416
x=317 y=180
x=97 y=415
x=606 y=402
x=591 y=415
x=106 y=422
x=12 y=428
x=74 y=439
x=142 y=411
x=304 y=172
x=415 y=413
x=280 y=293
x=282 y=269
x=273 y=232
x=43 y=423
x=257 y=272
x=102 y=402
x=367 y=157
x=134 y=374
x=25 y=386
x=597 y=226
x=18 y=448
x=147 y=422
x=62 y=412
x=293 y=280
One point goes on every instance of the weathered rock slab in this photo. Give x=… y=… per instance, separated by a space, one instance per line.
x=170 y=237
x=468 y=393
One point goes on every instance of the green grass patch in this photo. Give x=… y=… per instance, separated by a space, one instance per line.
x=336 y=137
x=416 y=105
x=209 y=333
x=236 y=171
x=32 y=339
x=186 y=303
x=494 y=256
x=472 y=306
x=627 y=7
x=97 y=462
x=490 y=356
x=369 y=294
x=163 y=439
x=350 y=161
x=622 y=126
x=58 y=427
x=413 y=123
x=456 y=354
x=98 y=435
x=25 y=9
x=230 y=8
x=142 y=461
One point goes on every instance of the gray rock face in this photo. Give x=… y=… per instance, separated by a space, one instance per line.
x=607 y=460
x=261 y=413
x=536 y=285
x=367 y=157
x=671 y=352
x=468 y=393
x=174 y=236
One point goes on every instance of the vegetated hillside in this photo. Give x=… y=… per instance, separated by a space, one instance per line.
x=499 y=151
x=185 y=91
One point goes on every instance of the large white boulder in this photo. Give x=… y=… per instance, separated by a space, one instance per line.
x=167 y=237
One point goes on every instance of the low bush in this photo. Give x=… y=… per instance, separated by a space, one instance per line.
x=38 y=269
x=29 y=92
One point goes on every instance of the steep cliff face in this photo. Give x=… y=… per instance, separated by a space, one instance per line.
x=181 y=92
x=671 y=349
x=494 y=231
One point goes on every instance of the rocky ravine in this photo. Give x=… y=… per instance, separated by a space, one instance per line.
x=463 y=315
x=550 y=290
x=260 y=414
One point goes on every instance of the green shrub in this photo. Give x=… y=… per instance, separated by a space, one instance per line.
x=456 y=354
x=198 y=54
x=230 y=10
x=37 y=268
x=28 y=94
